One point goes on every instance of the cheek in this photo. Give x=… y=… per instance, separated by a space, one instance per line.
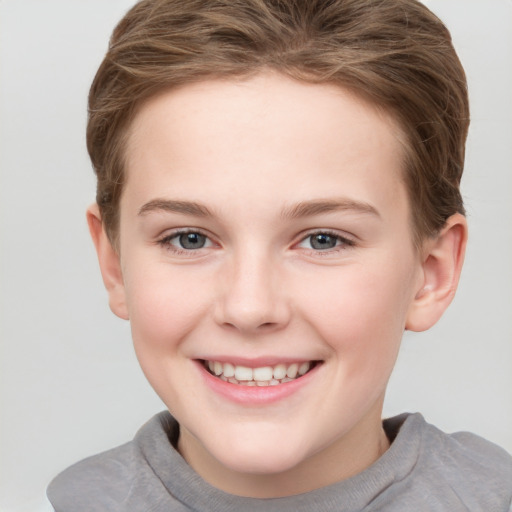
x=360 y=310
x=164 y=306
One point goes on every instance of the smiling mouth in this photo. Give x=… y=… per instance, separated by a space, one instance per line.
x=262 y=376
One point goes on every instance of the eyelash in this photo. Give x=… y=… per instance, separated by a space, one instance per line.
x=342 y=242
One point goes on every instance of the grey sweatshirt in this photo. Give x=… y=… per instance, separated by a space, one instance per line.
x=423 y=470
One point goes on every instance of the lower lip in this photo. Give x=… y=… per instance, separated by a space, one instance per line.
x=255 y=395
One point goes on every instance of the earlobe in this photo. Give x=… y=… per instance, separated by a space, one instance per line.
x=110 y=264
x=441 y=267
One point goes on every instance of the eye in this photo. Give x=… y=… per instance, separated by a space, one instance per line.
x=191 y=240
x=186 y=241
x=324 y=241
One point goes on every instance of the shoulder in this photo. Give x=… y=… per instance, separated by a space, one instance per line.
x=111 y=480
x=462 y=467
x=469 y=454
x=102 y=478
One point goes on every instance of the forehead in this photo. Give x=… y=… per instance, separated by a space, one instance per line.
x=275 y=138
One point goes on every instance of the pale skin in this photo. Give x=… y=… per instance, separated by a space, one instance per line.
x=292 y=194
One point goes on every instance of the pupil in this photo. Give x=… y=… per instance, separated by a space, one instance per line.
x=322 y=241
x=192 y=240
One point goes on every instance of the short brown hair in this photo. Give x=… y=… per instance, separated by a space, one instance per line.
x=394 y=53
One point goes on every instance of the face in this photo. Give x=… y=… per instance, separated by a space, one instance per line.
x=268 y=271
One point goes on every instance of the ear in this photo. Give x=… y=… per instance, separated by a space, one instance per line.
x=110 y=263
x=442 y=259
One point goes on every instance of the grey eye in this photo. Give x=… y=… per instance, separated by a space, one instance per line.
x=322 y=241
x=192 y=240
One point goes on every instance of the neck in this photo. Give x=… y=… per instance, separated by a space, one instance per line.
x=344 y=458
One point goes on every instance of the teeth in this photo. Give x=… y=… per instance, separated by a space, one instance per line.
x=243 y=373
x=280 y=371
x=263 y=376
x=264 y=373
x=291 y=373
x=304 y=367
x=217 y=368
x=229 y=370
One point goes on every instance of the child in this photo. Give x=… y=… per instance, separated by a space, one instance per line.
x=278 y=200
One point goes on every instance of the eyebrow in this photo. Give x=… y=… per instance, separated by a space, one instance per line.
x=299 y=210
x=173 y=206
x=317 y=207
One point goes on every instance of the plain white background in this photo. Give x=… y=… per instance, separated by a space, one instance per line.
x=70 y=384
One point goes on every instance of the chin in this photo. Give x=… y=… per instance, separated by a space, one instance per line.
x=259 y=458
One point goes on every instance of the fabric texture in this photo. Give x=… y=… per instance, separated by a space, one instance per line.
x=423 y=470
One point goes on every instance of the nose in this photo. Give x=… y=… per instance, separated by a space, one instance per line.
x=251 y=295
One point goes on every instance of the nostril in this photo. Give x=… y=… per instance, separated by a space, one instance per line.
x=265 y=326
